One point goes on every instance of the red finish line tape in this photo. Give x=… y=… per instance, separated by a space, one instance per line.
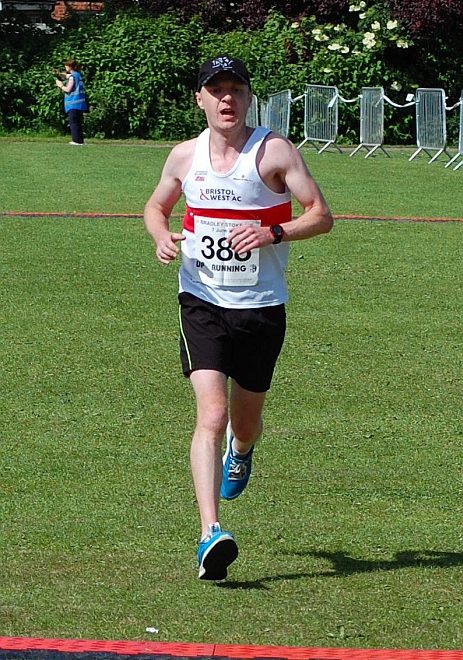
x=187 y=650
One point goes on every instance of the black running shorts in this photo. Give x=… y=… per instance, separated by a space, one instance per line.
x=244 y=344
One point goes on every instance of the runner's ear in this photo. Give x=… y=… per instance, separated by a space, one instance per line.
x=199 y=100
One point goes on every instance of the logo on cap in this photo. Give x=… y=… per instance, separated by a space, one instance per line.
x=222 y=63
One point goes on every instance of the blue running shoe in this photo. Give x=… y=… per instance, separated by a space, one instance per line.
x=236 y=470
x=216 y=551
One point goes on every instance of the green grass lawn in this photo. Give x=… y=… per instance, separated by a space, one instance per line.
x=119 y=177
x=350 y=531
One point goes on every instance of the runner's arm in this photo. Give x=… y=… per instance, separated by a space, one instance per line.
x=316 y=217
x=159 y=208
x=284 y=166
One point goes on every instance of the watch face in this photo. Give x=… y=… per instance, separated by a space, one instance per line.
x=277 y=232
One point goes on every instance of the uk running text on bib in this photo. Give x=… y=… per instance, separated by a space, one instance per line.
x=216 y=263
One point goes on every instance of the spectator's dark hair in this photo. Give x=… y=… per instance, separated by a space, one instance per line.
x=72 y=64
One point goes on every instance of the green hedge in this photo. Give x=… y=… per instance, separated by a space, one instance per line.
x=140 y=71
x=137 y=73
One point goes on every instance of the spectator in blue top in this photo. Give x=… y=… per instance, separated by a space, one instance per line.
x=75 y=103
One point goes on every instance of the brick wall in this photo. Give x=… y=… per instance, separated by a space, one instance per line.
x=63 y=8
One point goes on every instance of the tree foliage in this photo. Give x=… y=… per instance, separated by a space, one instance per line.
x=427 y=19
x=423 y=18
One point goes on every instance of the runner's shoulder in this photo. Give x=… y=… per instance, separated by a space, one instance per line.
x=276 y=154
x=275 y=143
x=181 y=157
x=183 y=150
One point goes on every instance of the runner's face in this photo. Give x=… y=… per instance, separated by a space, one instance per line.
x=225 y=100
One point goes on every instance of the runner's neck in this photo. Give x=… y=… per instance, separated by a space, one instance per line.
x=224 y=150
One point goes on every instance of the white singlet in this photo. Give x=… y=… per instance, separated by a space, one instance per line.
x=215 y=203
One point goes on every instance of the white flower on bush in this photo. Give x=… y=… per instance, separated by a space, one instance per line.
x=369 y=39
x=295 y=25
x=334 y=46
x=362 y=15
x=376 y=26
x=340 y=27
x=391 y=25
x=401 y=43
x=345 y=49
x=318 y=35
x=396 y=86
x=361 y=5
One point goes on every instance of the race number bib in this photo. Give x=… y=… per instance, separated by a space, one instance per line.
x=216 y=263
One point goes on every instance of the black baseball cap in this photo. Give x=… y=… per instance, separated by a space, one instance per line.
x=219 y=64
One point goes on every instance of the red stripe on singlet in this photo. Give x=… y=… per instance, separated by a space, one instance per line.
x=269 y=216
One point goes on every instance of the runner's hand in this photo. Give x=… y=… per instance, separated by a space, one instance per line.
x=166 y=249
x=244 y=238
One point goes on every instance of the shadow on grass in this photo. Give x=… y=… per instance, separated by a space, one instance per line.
x=342 y=565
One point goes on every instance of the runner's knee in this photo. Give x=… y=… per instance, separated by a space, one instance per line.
x=213 y=418
x=246 y=429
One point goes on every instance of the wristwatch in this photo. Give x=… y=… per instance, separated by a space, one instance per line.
x=277 y=232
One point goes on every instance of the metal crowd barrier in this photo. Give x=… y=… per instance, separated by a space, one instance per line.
x=252 y=117
x=320 y=116
x=321 y=119
x=460 y=139
x=431 y=131
x=371 y=121
x=276 y=111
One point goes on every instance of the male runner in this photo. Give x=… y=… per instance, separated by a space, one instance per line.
x=237 y=182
